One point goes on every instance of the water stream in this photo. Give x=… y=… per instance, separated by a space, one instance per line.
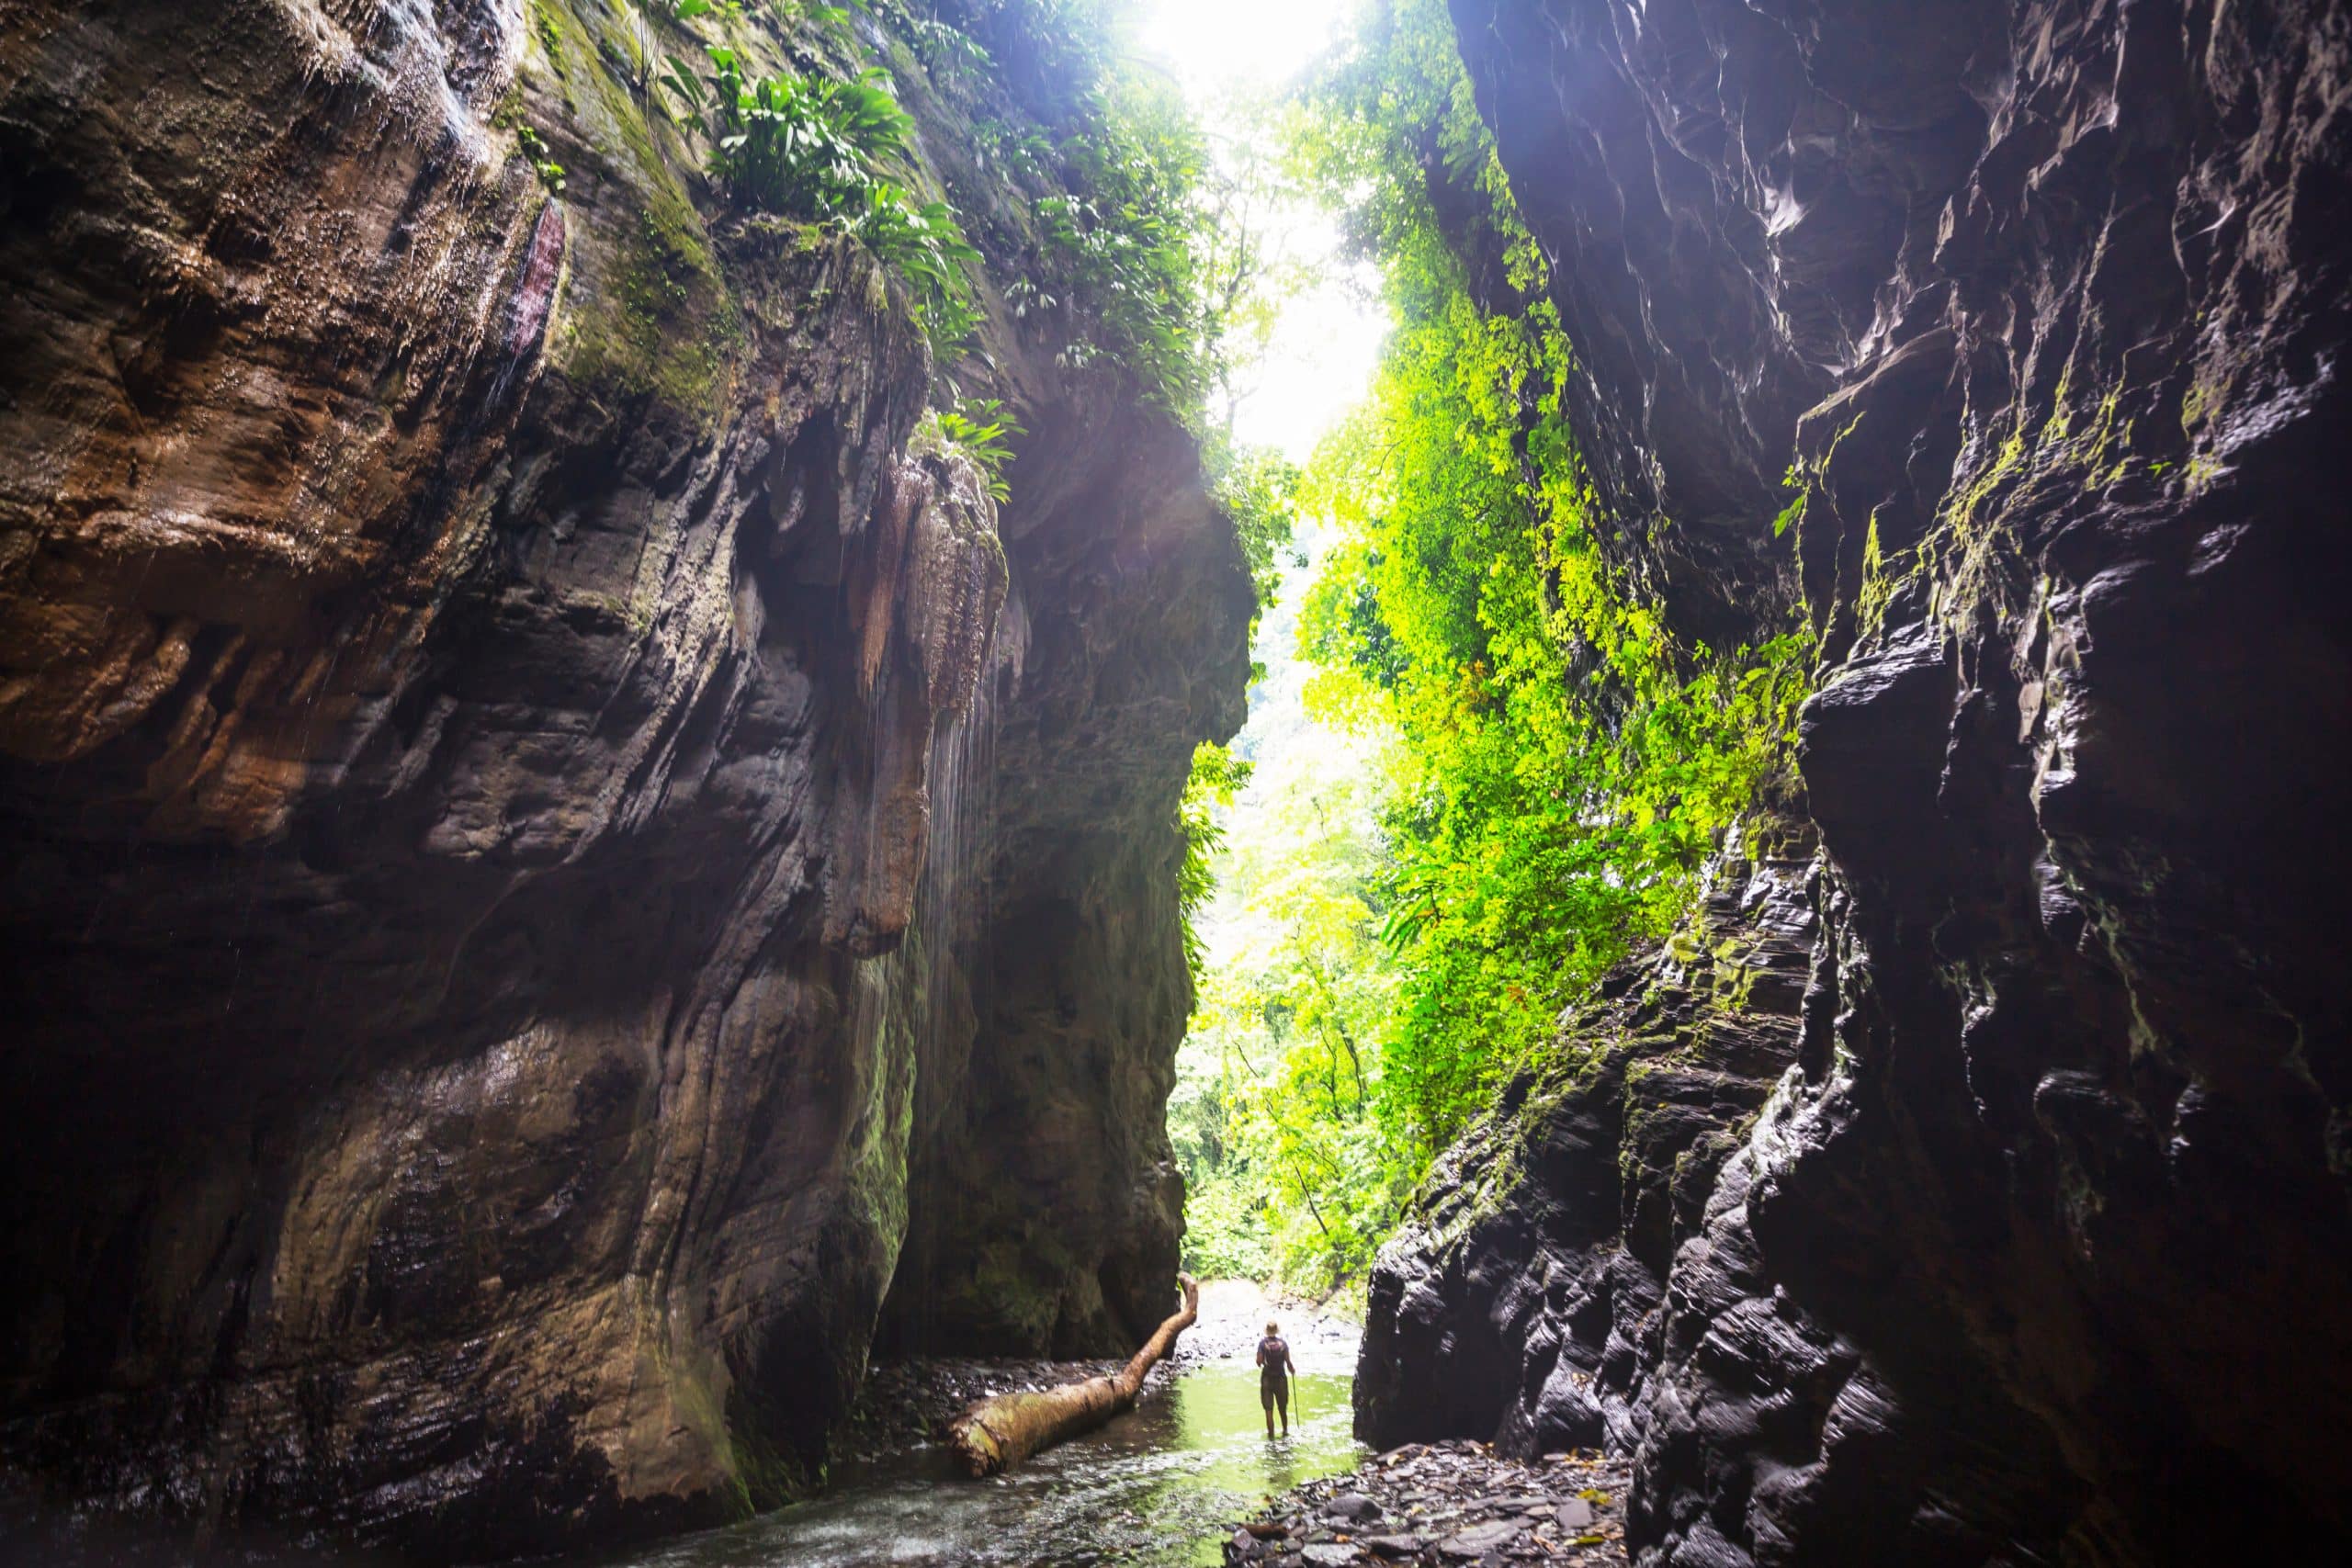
x=1156 y=1488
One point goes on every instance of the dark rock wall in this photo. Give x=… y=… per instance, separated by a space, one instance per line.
x=517 y=787
x=1049 y=1205
x=1520 y=1302
x=2041 y=1250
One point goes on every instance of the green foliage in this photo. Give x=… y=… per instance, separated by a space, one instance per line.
x=1020 y=157
x=1258 y=488
x=1123 y=249
x=793 y=144
x=1226 y=1218
x=1127 y=269
x=1216 y=775
x=535 y=148
x=1566 y=763
x=676 y=13
x=1544 y=765
x=923 y=240
x=947 y=51
x=813 y=147
x=1057 y=50
x=982 y=430
x=1128 y=264
x=1276 y=1116
x=833 y=21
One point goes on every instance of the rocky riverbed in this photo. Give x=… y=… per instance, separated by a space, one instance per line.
x=906 y=1404
x=1157 y=1487
x=1450 y=1503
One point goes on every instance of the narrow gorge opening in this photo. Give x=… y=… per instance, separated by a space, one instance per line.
x=720 y=720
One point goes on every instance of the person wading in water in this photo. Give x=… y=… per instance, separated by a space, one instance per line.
x=1273 y=1377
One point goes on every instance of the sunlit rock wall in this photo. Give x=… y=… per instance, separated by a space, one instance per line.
x=512 y=775
x=2042 y=1249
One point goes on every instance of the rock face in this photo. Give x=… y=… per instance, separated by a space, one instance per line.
x=541 y=837
x=2041 y=1248
x=1520 y=1303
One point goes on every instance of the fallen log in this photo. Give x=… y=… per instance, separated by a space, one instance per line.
x=995 y=1434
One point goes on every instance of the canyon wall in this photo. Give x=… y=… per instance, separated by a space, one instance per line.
x=547 y=830
x=1971 y=1180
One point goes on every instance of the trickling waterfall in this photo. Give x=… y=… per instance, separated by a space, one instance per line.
x=952 y=906
x=929 y=985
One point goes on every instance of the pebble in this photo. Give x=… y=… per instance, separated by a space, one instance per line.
x=1480 y=1539
x=1444 y=1505
x=1396 y=1545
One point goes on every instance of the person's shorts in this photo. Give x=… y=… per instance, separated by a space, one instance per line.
x=1274 y=1389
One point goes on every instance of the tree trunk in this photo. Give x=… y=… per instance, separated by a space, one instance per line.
x=996 y=1434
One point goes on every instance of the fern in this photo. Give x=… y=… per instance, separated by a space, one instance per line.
x=980 y=429
x=813 y=147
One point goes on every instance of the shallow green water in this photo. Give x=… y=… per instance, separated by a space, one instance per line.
x=1158 y=1486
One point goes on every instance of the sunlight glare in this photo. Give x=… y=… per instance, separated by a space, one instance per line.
x=1241 y=42
x=1325 y=341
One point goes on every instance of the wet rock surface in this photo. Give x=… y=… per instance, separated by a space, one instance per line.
x=2001 y=343
x=557 y=871
x=1456 y=1502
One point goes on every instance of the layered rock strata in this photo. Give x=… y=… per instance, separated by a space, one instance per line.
x=2044 y=1241
x=526 y=797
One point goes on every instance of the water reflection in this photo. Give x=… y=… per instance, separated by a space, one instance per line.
x=1157 y=1487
